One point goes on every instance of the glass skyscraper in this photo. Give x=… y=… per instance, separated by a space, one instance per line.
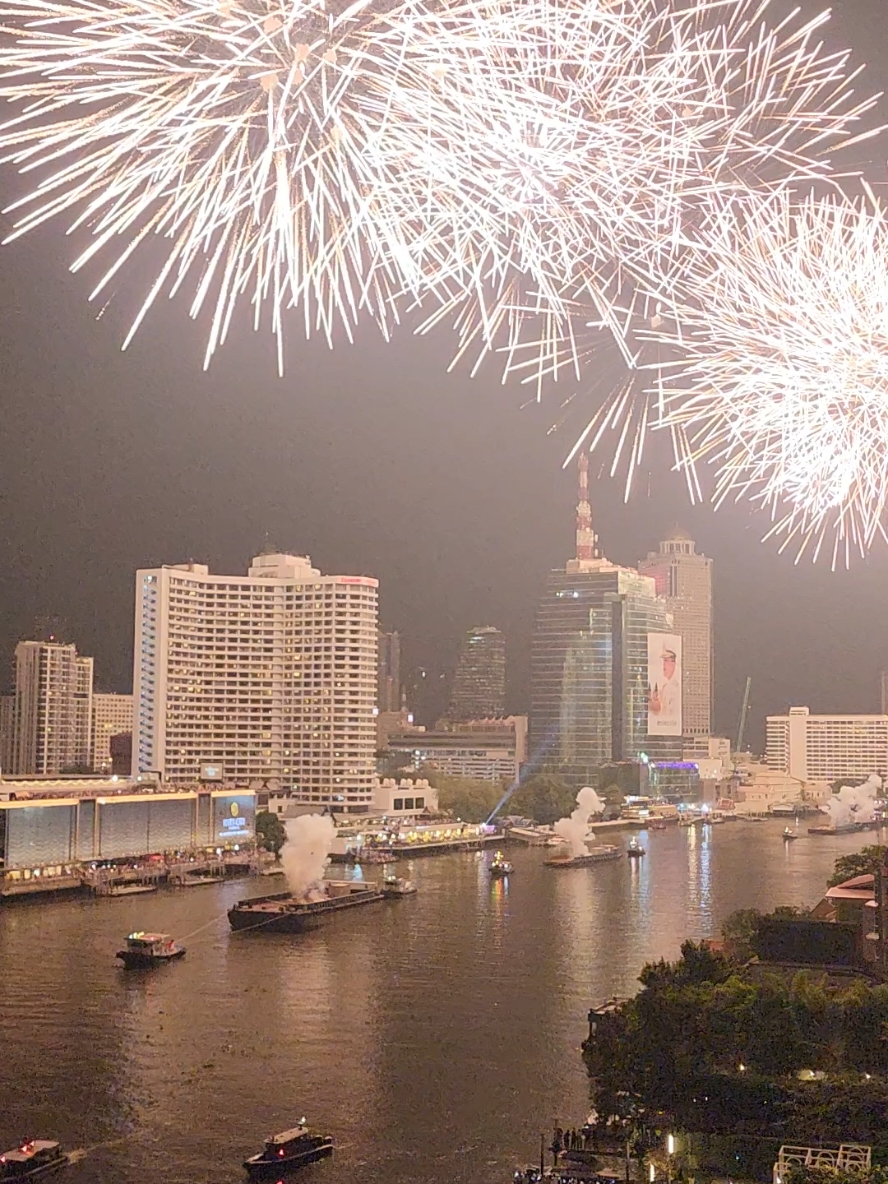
x=589 y=669
x=589 y=661
x=479 y=686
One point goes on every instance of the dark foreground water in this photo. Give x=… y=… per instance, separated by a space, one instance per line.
x=434 y=1037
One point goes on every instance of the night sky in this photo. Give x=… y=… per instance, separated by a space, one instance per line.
x=374 y=460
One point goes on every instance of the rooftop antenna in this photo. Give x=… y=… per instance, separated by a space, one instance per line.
x=587 y=540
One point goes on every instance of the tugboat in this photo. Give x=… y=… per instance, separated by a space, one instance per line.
x=635 y=850
x=149 y=949
x=393 y=887
x=33 y=1157
x=500 y=867
x=288 y=1150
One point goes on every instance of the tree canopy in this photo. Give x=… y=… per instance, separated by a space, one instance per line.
x=544 y=797
x=858 y=863
x=719 y=1050
x=466 y=798
x=270 y=832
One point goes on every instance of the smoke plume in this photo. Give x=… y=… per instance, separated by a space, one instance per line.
x=304 y=855
x=855 y=803
x=574 y=829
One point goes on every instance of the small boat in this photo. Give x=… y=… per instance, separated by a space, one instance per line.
x=393 y=887
x=500 y=866
x=657 y=824
x=635 y=850
x=33 y=1157
x=149 y=949
x=789 y=836
x=288 y=1150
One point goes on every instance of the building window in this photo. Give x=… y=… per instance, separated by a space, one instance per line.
x=398 y=804
x=420 y=803
x=408 y=803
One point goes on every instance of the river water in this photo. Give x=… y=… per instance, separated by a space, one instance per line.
x=434 y=1037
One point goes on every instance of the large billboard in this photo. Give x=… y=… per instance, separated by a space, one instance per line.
x=664 y=684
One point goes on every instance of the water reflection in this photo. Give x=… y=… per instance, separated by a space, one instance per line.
x=433 y=1036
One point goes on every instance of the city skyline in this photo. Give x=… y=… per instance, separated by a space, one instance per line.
x=862 y=693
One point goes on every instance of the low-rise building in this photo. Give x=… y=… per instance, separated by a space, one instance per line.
x=485 y=750
x=827 y=747
x=404 y=798
x=61 y=822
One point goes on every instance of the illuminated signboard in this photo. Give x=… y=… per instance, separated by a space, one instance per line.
x=234 y=817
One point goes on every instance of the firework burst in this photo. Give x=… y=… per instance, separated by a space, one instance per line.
x=778 y=367
x=656 y=124
x=506 y=161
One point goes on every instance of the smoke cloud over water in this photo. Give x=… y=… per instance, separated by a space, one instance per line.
x=855 y=803
x=574 y=829
x=304 y=855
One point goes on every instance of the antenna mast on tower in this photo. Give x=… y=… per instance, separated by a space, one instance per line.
x=587 y=540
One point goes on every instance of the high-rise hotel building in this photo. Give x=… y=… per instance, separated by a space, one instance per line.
x=684 y=579
x=268 y=677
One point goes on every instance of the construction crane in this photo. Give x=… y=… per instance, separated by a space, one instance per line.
x=744 y=710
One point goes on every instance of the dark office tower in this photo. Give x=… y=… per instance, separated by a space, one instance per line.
x=389 y=672
x=479 y=686
x=590 y=660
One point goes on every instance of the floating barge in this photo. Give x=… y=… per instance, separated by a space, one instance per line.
x=600 y=854
x=848 y=828
x=283 y=913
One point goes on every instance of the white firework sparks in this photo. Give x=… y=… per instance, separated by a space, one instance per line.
x=780 y=377
x=672 y=115
x=509 y=159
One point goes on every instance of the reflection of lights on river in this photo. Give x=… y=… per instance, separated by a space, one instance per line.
x=700 y=874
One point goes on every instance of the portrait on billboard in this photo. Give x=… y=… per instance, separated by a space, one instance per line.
x=664 y=684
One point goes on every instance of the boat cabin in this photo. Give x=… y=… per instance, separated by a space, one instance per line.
x=278 y=1144
x=28 y=1157
x=152 y=944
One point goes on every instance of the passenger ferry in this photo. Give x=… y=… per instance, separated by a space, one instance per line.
x=288 y=1150
x=499 y=866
